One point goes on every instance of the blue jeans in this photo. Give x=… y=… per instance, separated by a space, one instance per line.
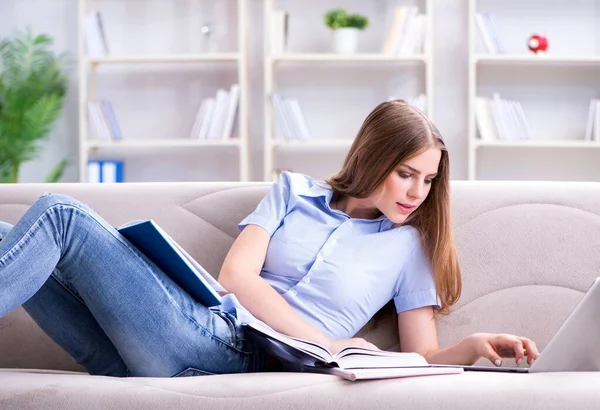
x=107 y=305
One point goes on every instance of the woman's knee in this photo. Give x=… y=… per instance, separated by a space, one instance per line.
x=55 y=199
x=51 y=200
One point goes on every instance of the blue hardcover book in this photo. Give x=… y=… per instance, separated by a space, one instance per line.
x=165 y=253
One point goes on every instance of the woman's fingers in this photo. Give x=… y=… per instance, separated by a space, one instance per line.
x=531 y=350
x=519 y=350
x=492 y=355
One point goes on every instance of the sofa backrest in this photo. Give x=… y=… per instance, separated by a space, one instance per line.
x=528 y=251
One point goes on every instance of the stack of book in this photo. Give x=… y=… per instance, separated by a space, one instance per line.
x=95 y=40
x=104 y=171
x=592 y=129
x=488 y=29
x=407 y=32
x=103 y=120
x=291 y=123
x=501 y=119
x=216 y=116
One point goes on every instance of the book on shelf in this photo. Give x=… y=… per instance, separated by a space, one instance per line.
x=490 y=35
x=351 y=363
x=279 y=26
x=216 y=116
x=95 y=38
x=106 y=171
x=592 y=129
x=406 y=35
x=501 y=119
x=291 y=123
x=103 y=120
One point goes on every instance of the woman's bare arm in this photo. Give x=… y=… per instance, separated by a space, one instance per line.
x=240 y=275
x=418 y=334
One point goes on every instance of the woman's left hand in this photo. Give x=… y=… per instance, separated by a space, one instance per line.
x=496 y=346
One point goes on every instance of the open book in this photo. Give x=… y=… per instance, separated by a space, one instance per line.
x=351 y=363
x=173 y=260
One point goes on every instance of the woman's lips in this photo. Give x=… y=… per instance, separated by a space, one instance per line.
x=405 y=208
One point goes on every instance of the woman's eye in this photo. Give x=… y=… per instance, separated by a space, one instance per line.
x=404 y=175
x=428 y=181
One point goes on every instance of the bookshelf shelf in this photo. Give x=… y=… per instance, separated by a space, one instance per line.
x=539 y=144
x=534 y=59
x=165 y=58
x=347 y=58
x=164 y=143
x=229 y=106
x=311 y=145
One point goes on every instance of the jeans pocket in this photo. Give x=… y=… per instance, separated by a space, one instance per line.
x=192 y=371
x=236 y=338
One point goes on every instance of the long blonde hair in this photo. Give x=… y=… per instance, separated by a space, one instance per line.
x=391 y=134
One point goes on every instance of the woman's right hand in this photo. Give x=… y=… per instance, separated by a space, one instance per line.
x=335 y=346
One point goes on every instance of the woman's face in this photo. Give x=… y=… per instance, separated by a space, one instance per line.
x=405 y=189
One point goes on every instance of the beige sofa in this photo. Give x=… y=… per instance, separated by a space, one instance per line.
x=528 y=251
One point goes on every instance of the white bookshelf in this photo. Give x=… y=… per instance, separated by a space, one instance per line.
x=541 y=60
x=555 y=88
x=135 y=145
x=538 y=144
x=163 y=143
x=351 y=58
x=314 y=59
x=164 y=58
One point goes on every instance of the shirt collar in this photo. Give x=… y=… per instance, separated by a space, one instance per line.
x=316 y=189
x=324 y=190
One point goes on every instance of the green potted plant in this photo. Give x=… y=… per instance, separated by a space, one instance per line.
x=32 y=93
x=345 y=29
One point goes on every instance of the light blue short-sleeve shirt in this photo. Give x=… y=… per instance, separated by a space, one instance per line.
x=334 y=270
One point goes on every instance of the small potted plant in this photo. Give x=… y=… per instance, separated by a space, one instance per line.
x=345 y=29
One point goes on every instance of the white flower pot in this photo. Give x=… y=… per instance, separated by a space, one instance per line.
x=345 y=40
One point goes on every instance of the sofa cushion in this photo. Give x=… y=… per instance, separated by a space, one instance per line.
x=471 y=390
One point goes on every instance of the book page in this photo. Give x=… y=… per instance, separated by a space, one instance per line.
x=353 y=357
x=384 y=360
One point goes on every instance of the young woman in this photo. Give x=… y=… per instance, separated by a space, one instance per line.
x=315 y=260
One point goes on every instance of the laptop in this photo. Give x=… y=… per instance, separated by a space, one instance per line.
x=574 y=348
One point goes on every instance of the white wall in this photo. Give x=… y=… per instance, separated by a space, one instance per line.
x=169 y=25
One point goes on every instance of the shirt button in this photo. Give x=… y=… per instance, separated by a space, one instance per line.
x=350 y=224
x=333 y=241
x=319 y=258
x=306 y=280
x=292 y=292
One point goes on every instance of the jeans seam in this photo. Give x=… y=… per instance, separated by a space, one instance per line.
x=61 y=283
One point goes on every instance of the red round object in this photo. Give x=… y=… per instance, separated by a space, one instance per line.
x=537 y=43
